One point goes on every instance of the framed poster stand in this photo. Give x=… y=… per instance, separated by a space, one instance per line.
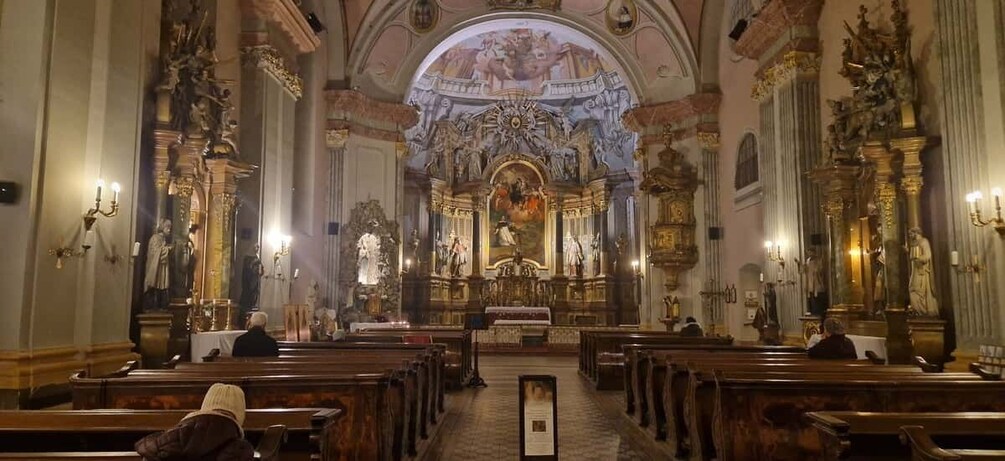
x=538 y=418
x=475 y=322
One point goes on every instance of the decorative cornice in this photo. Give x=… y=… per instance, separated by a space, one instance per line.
x=708 y=140
x=791 y=65
x=773 y=21
x=672 y=112
x=365 y=131
x=286 y=17
x=267 y=58
x=357 y=108
x=699 y=131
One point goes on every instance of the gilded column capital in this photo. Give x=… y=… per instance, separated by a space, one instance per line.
x=267 y=58
x=401 y=150
x=792 y=64
x=184 y=185
x=335 y=139
x=708 y=140
x=912 y=184
x=162 y=179
x=834 y=207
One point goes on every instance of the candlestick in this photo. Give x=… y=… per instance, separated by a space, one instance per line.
x=296 y=273
x=100 y=184
x=136 y=249
x=115 y=192
x=954 y=258
x=760 y=277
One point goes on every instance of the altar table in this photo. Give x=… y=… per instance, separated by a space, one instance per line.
x=876 y=344
x=363 y=326
x=206 y=341
x=517 y=315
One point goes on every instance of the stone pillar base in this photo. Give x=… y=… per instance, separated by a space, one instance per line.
x=155 y=333
x=898 y=341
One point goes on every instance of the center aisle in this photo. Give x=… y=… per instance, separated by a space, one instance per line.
x=483 y=424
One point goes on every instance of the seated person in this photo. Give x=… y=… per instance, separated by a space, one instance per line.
x=212 y=433
x=256 y=342
x=691 y=328
x=834 y=345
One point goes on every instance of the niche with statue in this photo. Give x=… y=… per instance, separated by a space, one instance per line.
x=369 y=264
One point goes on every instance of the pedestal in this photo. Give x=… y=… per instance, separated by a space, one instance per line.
x=928 y=339
x=898 y=337
x=297 y=318
x=178 y=343
x=155 y=332
x=669 y=323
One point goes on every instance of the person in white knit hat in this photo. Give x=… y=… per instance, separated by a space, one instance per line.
x=214 y=432
x=256 y=342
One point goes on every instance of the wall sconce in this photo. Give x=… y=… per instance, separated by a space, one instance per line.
x=774 y=250
x=62 y=252
x=408 y=266
x=282 y=245
x=636 y=268
x=727 y=293
x=974 y=267
x=93 y=213
x=974 y=200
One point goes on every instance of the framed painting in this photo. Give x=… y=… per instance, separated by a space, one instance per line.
x=517 y=211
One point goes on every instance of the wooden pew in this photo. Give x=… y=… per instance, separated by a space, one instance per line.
x=856 y=435
x=459 y=354
x=923 y=448
x=73 y=456
x=760 y=417
x=416 y=394
x=606 y=363
x=118 y=430
x=369 y=402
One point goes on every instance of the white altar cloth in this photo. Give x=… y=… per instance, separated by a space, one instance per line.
x=206 y=341
x=508 y=315
x=359 y=326
x=876 y=344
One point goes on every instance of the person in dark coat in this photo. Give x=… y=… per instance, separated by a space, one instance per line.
x=256 y=342
x=834 y=345
x=213 y=433
x=691 y=328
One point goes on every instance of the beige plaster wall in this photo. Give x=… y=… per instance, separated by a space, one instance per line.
x=87 y=106
x=743 y=229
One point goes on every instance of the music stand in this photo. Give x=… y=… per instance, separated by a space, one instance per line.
x=475 y=322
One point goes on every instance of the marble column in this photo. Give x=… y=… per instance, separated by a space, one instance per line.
x=190 y=154
x=965 y=163
x=224 y=174
x=559 y=239
x=475 y=280
x=709 y=143
x=335 y=142
x=891 y=226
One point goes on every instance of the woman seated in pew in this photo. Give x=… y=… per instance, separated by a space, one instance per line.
x=256 y=342
x=691 y=328
x=212 y=433
x=834 y=345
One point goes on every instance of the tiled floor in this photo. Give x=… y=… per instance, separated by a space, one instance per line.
x=483 y=424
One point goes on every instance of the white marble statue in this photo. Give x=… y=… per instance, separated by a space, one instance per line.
x=573 y=255
x=312 y=299
x=922 y=291
x=368 y=259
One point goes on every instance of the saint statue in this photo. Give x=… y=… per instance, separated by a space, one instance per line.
x=922 y=290
x=504 y=234
x=157 y=279
x=368 y=257
x=474 y=164
x=415 y=243
x=312 y=299
x=442 y=250
x=458 y=255
x=595 y=254
x=573 y=255
x=252 y=271
x=812 y=270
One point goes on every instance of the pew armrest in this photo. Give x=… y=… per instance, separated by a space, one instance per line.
x=925 y=366
x=213 y=354
x=922 y=446
x=125 y=369
x=875 y=358
x=272 y=441
x=986 y=375
x=173 y=363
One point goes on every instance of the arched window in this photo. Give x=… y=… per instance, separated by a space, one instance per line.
x=746 y=163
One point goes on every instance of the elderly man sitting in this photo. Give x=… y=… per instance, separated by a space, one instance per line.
x=834 y=345
x=256 y=342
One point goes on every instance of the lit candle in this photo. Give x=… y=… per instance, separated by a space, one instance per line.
x=971 y=202
x=760 y=277
x=296 y=273
x=136 y=249
x=115 y=192
x=101 y=183
x=954 y=258
x=978 y=196
x=768 y=244
x=997 y=194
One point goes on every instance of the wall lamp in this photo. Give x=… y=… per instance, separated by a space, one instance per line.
x=974 y=200
x=282 y=244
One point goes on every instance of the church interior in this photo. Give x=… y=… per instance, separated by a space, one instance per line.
x=504 y=229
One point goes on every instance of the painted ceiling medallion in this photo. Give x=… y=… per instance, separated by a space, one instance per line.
x=423 y=15
x=622 y=15
x=553 y=5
